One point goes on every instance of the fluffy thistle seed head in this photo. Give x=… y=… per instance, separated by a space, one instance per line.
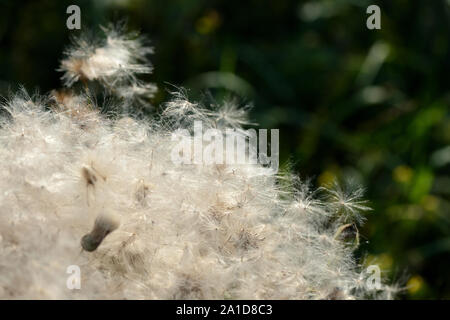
x=115 y=62
x=186 y=231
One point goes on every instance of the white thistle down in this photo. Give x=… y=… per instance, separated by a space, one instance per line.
x=348 y=204
x=152 y=229
x=114 y=61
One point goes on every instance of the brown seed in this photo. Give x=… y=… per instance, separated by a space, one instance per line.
x=103 y=226
x=89 y=176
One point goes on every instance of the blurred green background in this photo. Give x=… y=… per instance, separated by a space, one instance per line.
x=371 y=105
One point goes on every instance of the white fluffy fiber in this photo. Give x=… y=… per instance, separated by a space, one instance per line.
x=186 y=231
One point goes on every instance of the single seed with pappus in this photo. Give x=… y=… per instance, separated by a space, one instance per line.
x=103 y=226
x=90 y=177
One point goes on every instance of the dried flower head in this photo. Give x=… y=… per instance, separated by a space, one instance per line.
x=115 y=61
x=186 y=231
